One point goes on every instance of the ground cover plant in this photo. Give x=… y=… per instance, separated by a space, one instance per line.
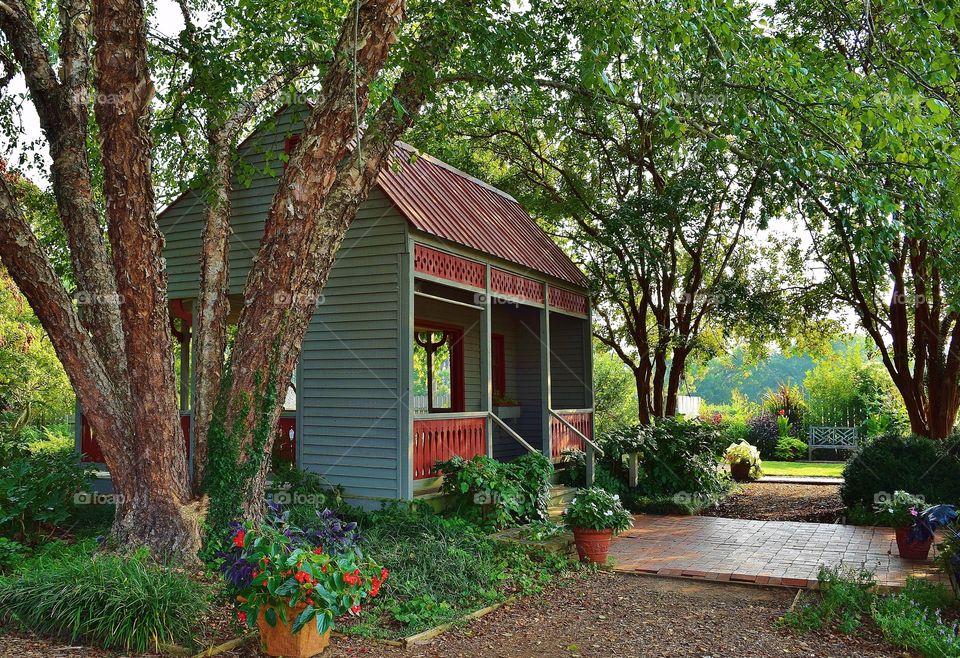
x=442 y=568
x=921 y=618
x=122 y=602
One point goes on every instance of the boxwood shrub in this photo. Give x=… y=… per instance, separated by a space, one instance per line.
x=907 y=463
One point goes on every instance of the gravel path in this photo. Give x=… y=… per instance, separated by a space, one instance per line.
x=600 y=615
x=782 y=502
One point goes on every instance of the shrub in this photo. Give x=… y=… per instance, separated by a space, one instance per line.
x=595 y=509
x=679 y=456
x=763 y=432
x=789 y=450
x=496 y=494
x=117 y=602
x=303 y=492
x=37 y=489
x=909 y=463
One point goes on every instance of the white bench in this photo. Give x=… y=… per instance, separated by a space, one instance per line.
x=832 y=438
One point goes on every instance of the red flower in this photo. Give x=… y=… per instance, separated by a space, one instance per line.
x=374 y=586
x=265 y=560
x=264 y=583
x=318 y=550
x=242 y=616
x=384 y=573
x=782 y=412
x=238 y=538
x=303 y=577
x=310 y=602
x=355 y=608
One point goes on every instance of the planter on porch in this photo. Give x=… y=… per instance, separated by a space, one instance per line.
x=508 y=411
x=912 y=550
x=280 y=640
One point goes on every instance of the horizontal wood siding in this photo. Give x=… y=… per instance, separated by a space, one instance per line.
x=351 y=361
x=254 y=184
x=568 y=363
x=520 y=328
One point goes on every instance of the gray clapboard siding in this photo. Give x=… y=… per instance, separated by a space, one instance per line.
x=568 y=363
x=348 y=417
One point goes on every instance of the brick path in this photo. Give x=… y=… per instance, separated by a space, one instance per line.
x=780 y=553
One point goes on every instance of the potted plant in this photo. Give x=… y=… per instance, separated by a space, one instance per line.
x=506 y=408
x=744 y=461
x=906 y=513
x=293 y=583
x=595 y=516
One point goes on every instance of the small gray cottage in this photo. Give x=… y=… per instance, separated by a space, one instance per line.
x=451 y=324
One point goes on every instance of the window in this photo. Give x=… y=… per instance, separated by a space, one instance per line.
x=437 y=369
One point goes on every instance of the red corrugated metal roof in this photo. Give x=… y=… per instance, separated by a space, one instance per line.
x=449 y=204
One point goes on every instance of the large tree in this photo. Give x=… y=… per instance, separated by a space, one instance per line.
x=589 y=130
x=116 y=346
x=866 y=135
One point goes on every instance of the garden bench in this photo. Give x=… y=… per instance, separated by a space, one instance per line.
x=832 y=437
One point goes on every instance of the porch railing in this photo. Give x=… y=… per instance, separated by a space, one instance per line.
x=568 y=428
x=441 y=436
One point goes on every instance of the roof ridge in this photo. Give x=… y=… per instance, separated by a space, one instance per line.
x=449 y=167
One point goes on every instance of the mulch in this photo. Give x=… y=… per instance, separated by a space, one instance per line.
x=782 y=502
x=596 y=615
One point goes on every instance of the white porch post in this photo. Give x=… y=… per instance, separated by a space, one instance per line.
x=545 y=391
x=486 y=363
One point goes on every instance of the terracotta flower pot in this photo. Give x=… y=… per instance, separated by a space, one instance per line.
x=279 y=640
x=592 y=545
x=740 y=471
x=912 y=550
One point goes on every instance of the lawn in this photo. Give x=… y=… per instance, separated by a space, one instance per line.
x=804 y=469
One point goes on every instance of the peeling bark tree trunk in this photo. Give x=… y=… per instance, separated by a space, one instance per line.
x=156 y=508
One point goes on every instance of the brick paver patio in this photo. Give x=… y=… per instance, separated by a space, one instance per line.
x=780 y=553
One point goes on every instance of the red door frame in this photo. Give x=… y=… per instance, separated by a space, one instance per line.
x=457 y=387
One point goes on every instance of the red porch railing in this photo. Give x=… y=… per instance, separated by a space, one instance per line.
x=439 y=439
x=562 y=438
x=284 y=446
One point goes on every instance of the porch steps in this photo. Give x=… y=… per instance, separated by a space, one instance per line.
x=560 y=497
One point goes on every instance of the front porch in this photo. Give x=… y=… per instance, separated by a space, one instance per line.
x=495 y=370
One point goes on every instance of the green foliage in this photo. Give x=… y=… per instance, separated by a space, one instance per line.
x=844 y=598
x=595 y=509
x=899 y=510
x=907 y=463
x=724 y=379
x=744 y=453
x=442 y=568
x=495 y=494
x=786 y=402
x=676 y=456
x=126 y=603
x=615 y=393
x=36 y=488
x=48 y=439
x=911 y=619
x=847 y=387
x=228 y=477
x=11 y=554
x=33 y=385
x=303 y=492
x=790 y=449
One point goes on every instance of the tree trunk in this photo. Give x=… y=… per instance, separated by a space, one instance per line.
x=281 y=292
x=155 y=504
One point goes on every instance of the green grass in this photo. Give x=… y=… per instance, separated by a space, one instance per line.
x=804 y=469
